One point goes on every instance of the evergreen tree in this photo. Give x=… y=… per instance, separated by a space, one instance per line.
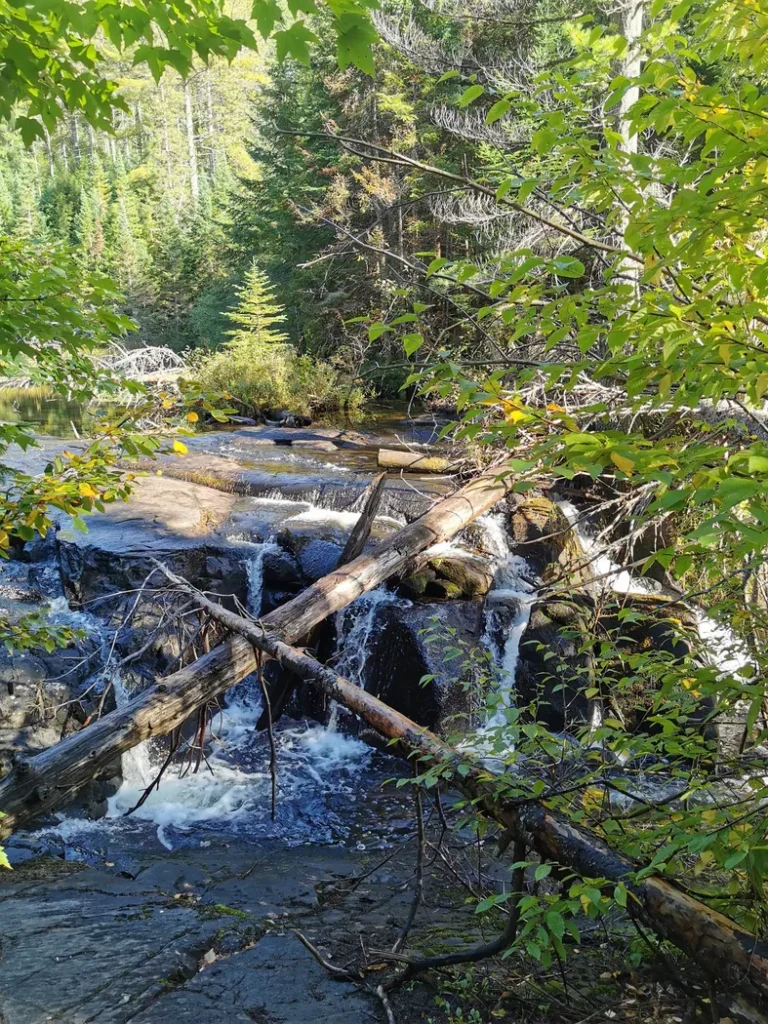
x=257 y=312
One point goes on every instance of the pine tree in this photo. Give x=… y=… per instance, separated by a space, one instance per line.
x=257 y=312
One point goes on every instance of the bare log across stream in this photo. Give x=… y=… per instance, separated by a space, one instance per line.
x=725 y=951
x=414 y=462
x=51 y=778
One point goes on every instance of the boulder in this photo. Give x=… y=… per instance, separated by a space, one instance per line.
x=400 y=653
x=470 y=573
x=639 y=624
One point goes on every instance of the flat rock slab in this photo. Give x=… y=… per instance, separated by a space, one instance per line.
x=278 y=981
x=339 y=492
x=98 y=947
x=163 y=514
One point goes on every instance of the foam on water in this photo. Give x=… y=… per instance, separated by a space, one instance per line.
x=233 y=789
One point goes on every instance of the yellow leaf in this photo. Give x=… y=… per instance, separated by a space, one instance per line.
x=167 y=403
x=623 y=463
x=87 y=491
x=725 y=353
x=665 y=385
x=515 y=416
x=706 y=857
x=554 y=407
x=180 y=448
x=192 y=417
x=4 y=540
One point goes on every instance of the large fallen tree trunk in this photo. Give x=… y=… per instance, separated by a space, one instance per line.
x=725 y=951
x=51 y=778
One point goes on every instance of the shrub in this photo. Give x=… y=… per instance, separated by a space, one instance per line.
x=275 y=376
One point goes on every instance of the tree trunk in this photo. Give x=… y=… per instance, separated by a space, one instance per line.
x=361 y=531
x=52 y=777
x=189 y=121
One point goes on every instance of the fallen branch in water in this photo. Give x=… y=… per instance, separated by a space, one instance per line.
x=736 y=957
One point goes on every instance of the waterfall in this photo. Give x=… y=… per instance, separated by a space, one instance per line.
x=254 y=568
x=355 y=628
x=507 y=613
x=726 y=651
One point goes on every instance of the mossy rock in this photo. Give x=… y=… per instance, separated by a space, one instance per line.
x=470 y=573
x=545 y=538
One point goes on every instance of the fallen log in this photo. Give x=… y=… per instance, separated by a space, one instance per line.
x=414 y=462
x=724 y=950
x=52 y=777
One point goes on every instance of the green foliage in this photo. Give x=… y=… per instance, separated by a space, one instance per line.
x=258 y=369
x=271 y=376
x=53 y=55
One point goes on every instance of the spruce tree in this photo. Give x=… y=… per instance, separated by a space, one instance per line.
x=257 y=313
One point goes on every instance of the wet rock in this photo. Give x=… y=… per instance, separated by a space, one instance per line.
x=401 y=655
x=470 y=574
x=283 y=418
x=554 y=670
x=315 y=545
x=166 y=520
x=644 y=624
x=281 y=571
x=289 y=435
x=36 y=709
x=416 y=585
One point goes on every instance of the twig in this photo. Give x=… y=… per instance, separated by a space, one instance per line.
x=418 y=891
x=270 y=731
x=346 y=975
x=474 y=953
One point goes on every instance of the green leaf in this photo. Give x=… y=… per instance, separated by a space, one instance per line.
x=412 y=343
x=497 y=111
x=471 y=94
x=555 y=924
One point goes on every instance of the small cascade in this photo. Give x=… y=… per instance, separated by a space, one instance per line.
x=609 y=575
x=725 y=650
x=356 y=628
x=494 y=534
x=254 y=568
x=135 y=763
x=507 y=613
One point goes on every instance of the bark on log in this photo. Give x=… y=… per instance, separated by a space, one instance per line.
x=414 y=462
x=49 y=779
